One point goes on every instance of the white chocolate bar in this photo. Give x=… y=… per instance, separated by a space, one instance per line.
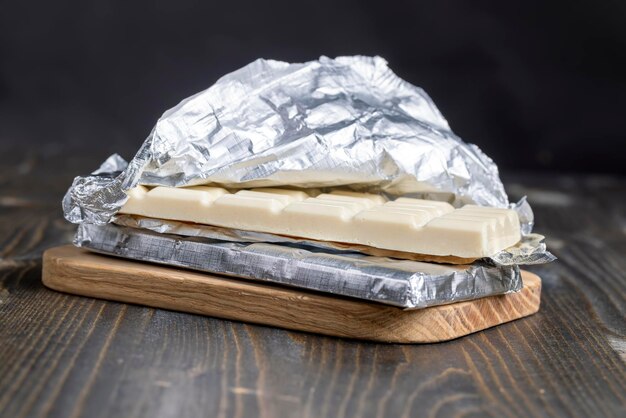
x=405 y=224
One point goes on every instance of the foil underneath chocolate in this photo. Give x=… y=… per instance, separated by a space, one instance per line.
x=406 y=284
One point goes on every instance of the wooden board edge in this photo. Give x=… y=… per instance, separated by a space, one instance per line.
x=74 y=270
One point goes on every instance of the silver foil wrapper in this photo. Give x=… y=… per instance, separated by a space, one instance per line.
x=348 y=122
x=530 y=250
x=406 y=284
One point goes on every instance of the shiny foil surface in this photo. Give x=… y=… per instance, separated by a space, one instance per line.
x=405 y=284
x=347 y=122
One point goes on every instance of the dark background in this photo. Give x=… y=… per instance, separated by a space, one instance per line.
x=538 y=85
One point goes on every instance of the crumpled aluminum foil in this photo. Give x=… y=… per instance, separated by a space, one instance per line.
x=402 y=283
x=530 y=250
x=347 y=122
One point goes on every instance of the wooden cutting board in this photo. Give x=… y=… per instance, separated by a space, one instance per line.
x=77 y=271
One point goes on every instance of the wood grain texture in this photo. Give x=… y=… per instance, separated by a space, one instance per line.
x=71 y=356
x=77 y=271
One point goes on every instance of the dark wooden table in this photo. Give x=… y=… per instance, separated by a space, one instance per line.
x=69 y=356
